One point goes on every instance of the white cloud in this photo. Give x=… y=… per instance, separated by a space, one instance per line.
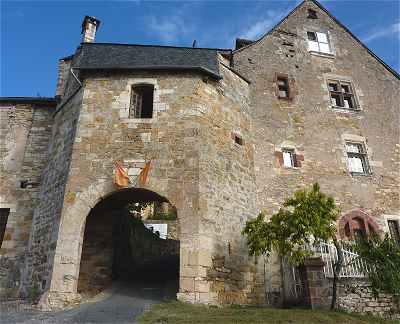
x=393 y=29
x=168 y=30
x=262 y=25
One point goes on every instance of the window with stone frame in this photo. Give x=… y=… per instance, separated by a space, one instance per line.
x=357 y=224
x=284 y=86
x=357 y=158
x=342 y=95
x=318 y=42
x=141 y=104
x=4 y=212
x=288 y=158
x=394 y=230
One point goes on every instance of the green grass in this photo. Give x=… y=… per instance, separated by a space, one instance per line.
x=177 y=312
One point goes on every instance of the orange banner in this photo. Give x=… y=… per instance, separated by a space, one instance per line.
x=121 y=177
x=144 y=174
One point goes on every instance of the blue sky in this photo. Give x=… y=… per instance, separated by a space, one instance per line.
x=35 y=34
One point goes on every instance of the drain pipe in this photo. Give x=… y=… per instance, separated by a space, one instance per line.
x=73 y=93
x=76 y=78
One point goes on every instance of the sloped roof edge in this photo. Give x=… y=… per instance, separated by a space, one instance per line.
x=391 y=70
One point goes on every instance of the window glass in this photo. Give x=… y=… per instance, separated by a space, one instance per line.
x=311 y=36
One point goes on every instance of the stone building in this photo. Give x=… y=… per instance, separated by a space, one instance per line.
x=227 y=132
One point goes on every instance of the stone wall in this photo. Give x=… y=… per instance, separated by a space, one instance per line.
x=353 y=294
x=46 y=218
x=25 y=129
x=356 y=296
x=227 y=186
x=316 y=132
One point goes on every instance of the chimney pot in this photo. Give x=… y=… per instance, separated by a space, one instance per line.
x=89 y=27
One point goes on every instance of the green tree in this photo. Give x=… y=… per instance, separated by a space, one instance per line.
x=306 y=218
x=382 y=255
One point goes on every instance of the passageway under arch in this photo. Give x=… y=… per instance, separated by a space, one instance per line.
x=127 y=239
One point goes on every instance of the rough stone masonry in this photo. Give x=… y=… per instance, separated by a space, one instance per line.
x=230 y=133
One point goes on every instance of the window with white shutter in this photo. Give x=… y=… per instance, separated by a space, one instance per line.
x=357 y=158
x=288 y=161
x=318 y=42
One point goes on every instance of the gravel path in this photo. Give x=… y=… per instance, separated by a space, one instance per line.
x=122 y=303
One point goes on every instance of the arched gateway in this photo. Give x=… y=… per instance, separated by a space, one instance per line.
x=128 y=235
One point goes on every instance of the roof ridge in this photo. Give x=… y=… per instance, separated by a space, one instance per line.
x=165 y=46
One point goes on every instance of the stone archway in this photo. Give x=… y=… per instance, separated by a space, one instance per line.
x=119 y=246
x=66 y=263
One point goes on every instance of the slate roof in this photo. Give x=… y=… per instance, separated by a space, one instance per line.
x=147 y=57
x=48 y=101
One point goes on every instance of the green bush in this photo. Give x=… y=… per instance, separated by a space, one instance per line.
x=382 y=257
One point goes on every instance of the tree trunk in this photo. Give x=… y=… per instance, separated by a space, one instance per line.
x=336 y=271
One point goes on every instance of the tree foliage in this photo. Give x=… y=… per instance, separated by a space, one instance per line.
x=306 y=218
x=382 y=255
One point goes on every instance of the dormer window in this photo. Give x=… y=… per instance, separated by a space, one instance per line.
x=318 y=42
x=141 y=105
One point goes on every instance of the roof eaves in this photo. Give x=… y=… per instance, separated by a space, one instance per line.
x=162 y=46
x=154 y=68
x=33 y=100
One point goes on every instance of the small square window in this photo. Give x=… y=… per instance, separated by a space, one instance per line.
x=312 y=14
x=357 y=158
x=238 y=139
x=288 y=158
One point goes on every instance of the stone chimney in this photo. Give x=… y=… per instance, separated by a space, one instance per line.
x=89 y=27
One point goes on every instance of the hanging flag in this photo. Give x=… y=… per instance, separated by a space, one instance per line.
x=121 y=177
x=144 y=174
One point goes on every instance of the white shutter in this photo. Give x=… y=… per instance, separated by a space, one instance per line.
x=322 y=38
x=352 y=148
x=313 y=46
x=287 y=159
x=355 y=164
x=324 y=48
